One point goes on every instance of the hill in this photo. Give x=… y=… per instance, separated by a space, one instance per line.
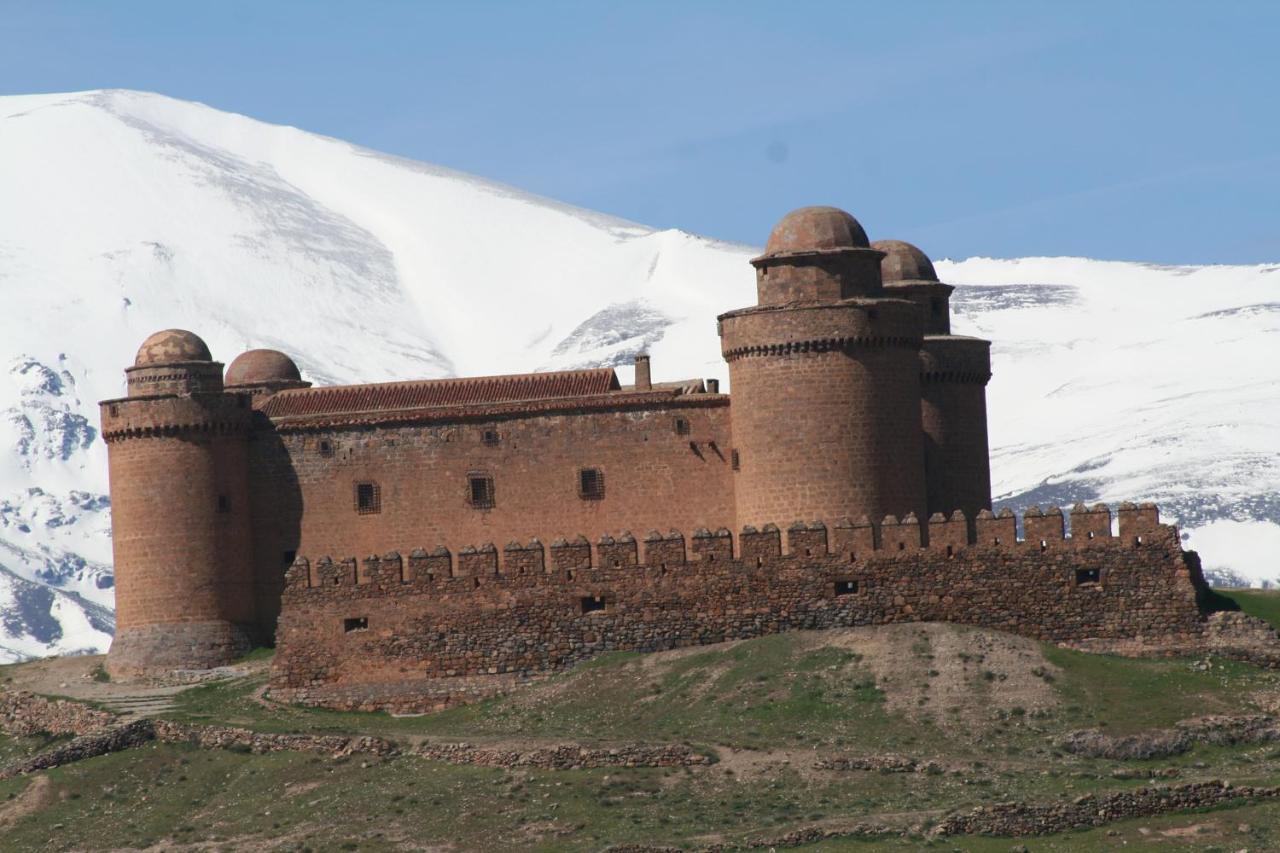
x=856 y=738
x=122 y=213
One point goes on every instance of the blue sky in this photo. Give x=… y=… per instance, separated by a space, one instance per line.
x=1135 y=130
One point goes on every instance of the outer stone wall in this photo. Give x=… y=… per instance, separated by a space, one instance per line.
x=425 y=629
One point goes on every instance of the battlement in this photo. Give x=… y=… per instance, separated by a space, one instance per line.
x=850 y=541
x=415 y=630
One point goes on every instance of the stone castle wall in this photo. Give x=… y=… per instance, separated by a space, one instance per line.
x=424 y=629
x=661 y=465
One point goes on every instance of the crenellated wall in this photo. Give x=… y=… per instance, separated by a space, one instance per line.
x=433 y=627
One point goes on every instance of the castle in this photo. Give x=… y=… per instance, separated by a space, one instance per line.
x=245 y=506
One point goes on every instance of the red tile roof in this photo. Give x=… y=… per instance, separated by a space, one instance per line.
x=431 y=393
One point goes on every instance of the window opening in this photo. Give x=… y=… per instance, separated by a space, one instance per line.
x=490 y=437
x=356 y=623
x=682 y=426
x=846 y=587
x=224 y=503
x=590 y=484
x=368 y=498
x=592 y=603
x=480 y=490
x=1085 y=577
x=326 y=448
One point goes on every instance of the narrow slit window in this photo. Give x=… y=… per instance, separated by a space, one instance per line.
x=224 y=503
x=368 y=498
x=590 y=484
x=355 y=623
x=735 y=460
x=480 y=491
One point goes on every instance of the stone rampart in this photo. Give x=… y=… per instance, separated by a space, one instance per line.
x=401 y=631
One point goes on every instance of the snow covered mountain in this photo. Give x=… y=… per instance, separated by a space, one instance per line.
x=122 y=213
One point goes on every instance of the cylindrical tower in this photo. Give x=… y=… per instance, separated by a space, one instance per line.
x=825 y=380
x=954 y=371
x=178 y=458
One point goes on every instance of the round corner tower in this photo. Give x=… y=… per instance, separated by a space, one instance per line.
x=954 y=371
x=177 y=448
x=825 y=379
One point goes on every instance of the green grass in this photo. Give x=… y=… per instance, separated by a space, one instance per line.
x=1126 y=695
x=1263 y=603
x=787 y=700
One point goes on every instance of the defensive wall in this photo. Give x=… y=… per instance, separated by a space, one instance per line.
x=432 y=628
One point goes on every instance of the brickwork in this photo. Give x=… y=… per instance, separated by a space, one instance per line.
x=826 y=412
x=181 y=530
x=953 y=402
x=353 y=628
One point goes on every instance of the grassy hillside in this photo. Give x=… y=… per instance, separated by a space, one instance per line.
x=985 y=708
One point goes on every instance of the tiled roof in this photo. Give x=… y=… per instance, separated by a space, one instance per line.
x=431 y=393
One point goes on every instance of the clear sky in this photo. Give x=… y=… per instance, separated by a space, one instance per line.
x=1120 y=129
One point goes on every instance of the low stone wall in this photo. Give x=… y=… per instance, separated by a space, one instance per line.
x=1161 y=743
x=565 y=757
x=86 y=746
x=225 y=737
x=881 y=764
x=1008 y=819
x=23 y=714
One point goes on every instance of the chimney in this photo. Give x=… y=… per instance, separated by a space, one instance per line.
x=643 y=380
x=713 y=386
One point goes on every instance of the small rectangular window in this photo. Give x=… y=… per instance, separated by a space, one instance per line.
x=224 y=503
x=846 y=587
x=1088 y=577
x=735 y=460
x=326 y=448
x=356 y=623
x=480 y=491
x=368 y=498
x=592 y=603
x=115 y=411
x=490 y=438
x=682 y=426
x=590 y=484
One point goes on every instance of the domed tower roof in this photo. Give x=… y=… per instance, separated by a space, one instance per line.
x=815 y=230
x=172 y=346
x=262 y=367
x=904 y=262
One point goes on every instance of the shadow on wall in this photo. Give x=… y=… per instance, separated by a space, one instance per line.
x=276 y=500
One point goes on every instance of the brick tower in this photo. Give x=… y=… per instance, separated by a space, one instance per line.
x=954 y=371
x=178 y=447
x=825 y=377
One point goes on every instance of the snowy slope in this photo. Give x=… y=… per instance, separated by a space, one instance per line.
x=122 y=213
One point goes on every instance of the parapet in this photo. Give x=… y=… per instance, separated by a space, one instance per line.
x=756 y=548
x=955 y=358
